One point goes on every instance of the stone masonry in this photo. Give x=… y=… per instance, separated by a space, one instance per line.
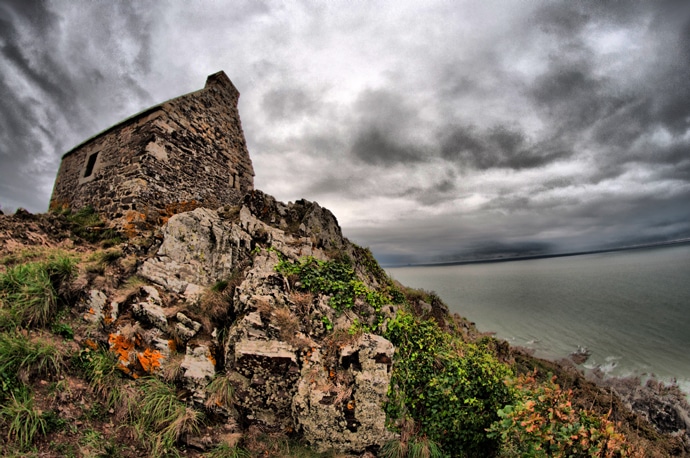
x=185 y=153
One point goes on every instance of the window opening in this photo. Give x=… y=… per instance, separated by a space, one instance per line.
x=90 y=164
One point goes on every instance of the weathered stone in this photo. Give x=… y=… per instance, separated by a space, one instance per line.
x=150 y=310
x=347 y=417
x=199 y=369
x=198 y=248
x=187 y=152
x=95 y=305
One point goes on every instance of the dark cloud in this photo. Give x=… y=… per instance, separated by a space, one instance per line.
x=384 y=133
x=282 y=104
x=380 y=147
x=498 y=147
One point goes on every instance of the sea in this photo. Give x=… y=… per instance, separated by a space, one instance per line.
x=630 y=309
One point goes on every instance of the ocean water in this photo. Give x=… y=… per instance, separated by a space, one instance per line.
x=631 y=308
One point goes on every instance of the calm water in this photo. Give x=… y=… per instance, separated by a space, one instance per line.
x=631 y=309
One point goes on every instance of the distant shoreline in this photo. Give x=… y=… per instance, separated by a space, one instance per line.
x=540 y=256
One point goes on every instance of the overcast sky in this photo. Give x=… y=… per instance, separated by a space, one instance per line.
x=432 y=130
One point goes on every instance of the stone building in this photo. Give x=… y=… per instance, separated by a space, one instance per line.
x=184 y=153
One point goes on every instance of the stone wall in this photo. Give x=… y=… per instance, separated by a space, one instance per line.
x=185 y=153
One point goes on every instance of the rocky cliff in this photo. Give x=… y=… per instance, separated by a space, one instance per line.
x=246 y=329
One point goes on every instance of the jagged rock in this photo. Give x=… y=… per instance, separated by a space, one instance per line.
x=186 y=328
x=346 y=416
x=198 y=248
x=95 y=304
x=199 y=369
x=151 y=310
x=271 y=369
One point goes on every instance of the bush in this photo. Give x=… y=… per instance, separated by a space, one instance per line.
x=451 y=389
x=544 y=423
x=338 y=280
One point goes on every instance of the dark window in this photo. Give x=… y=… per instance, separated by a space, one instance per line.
x=90 y=164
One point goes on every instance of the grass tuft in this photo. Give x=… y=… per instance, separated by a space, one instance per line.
x=20 y=359
x=29 y=292
x=23 y=422
x=160 y=418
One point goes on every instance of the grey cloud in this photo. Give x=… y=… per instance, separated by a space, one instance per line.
x=289 y=102
x=380 y=147
x=384 y=133
x=498 y=147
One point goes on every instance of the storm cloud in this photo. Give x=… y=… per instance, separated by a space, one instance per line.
x=434 y=131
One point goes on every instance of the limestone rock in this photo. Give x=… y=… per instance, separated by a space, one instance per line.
x=95 y=305
x=151 y=310
x=199 y=369
x=186 y=327
x=198 y=248
x=333 y=414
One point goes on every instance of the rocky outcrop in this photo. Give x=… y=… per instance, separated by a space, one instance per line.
x=340 y=408
x=290 y=372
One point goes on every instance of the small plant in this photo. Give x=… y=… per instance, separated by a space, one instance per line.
x=160 y=418
x=220 y=391
x=100 y=368
x=23 y=422
x=223 y=450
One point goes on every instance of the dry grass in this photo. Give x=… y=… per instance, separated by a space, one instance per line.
x=304 y=302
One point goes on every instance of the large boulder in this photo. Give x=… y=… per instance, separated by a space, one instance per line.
x=198 y=248
x=341 y=407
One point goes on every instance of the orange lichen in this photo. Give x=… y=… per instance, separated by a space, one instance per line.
x=212 y=359
x=150 y=360
x=89 y=343
x=351 y=405
x=174 y=208
x=121 y=346
x=172 y=346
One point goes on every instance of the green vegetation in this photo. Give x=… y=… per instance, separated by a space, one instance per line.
x=450 y=389
x=160 y=418
x=86 y=224
x=29 y=293
x=22 y=420
x=338 y=280
x=542 y=423
x=21 y=359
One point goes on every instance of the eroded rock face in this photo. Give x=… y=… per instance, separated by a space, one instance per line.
x=287 y=372
x=341 y=408
x=198 y=248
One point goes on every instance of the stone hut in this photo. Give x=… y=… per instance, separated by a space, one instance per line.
x=185 y=153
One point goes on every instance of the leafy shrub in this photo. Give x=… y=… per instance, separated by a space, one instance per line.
x=544 y=423
x=451 y=389
x=336 y=279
